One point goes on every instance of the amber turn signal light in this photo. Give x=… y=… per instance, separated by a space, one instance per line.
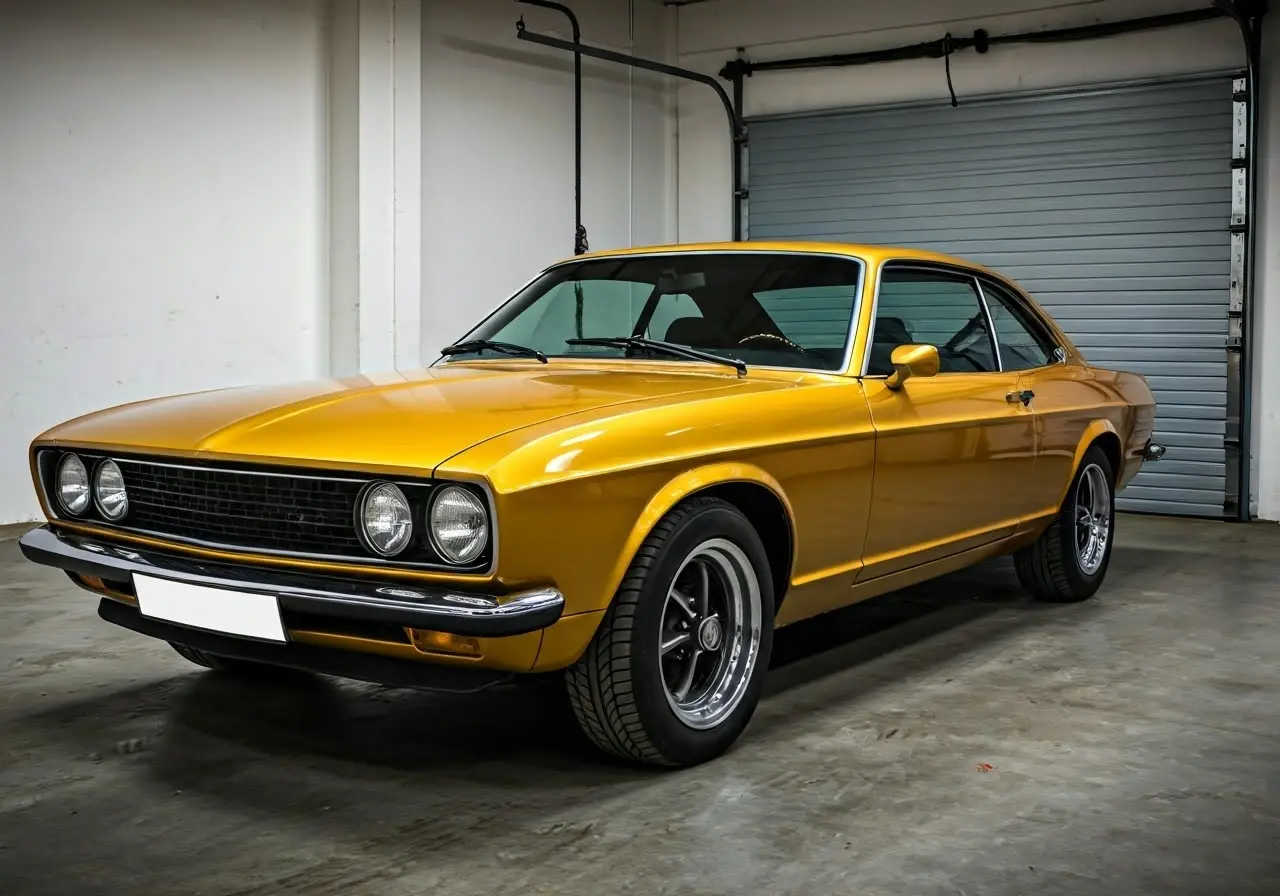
x=442 y=642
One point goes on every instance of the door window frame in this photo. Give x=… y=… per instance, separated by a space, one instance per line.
x=930 y=267
x=1058 y=355
x=1027 y=317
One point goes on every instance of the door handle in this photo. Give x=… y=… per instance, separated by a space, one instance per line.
x=1024 y=396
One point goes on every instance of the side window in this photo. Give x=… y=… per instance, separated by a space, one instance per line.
x=918 y=306
x=1023 y=343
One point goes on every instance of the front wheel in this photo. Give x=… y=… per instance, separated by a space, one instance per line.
x=674 y=673
x=1069 y=560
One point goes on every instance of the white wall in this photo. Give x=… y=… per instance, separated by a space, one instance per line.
x=162 y=187
x=497 y=149
x=1266 y=339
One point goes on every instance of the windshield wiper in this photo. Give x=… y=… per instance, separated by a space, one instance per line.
x=656 y=345
x=506 y=348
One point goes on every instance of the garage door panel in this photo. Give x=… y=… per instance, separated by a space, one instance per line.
x=1205 y=401
x=1114 y=286
x=877 y=130
x=959 y=200
x=1176 y=317
x=1000 y=163
x=867 y=222
x=1109 y=207
x=1207 y=495
x=1122 y=343
x=1206 y=469
x=1171 y=411
x=785 y=217
x=984 y=121
x=1134 y=245
x=854 y=180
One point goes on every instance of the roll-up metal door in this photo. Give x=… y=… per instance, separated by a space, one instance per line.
x=1110 y=207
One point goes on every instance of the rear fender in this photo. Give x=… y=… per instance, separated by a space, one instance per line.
x=1091 y=433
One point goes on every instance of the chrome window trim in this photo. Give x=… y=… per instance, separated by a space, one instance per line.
x=1059 y=354
x=336 y=559
x=850 y=331
x=936 y=267
x=991 y=324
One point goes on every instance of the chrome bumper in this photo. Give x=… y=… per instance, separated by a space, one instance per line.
x=439 y=609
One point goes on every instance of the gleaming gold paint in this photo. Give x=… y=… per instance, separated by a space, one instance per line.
x=912 y=360
x=584 y=456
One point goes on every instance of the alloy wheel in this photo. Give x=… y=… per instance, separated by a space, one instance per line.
x=709 y=639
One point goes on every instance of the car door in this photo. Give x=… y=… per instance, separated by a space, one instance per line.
x=953 y=451
x=1062 y=398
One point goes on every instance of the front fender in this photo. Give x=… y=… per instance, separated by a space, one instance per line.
x=682 y=486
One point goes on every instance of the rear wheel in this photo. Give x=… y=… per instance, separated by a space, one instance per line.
x=676 y=668
x=1069 y=560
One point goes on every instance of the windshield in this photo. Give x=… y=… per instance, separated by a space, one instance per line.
x=770 y=309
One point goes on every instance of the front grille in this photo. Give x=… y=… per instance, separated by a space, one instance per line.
x=255 y=508
x=279 y=512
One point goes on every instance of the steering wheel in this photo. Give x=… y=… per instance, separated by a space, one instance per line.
x=772 y=337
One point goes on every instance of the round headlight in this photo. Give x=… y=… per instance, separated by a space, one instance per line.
x=73 y=485
x=386 y=519
x=109 y=492
x=459 y=524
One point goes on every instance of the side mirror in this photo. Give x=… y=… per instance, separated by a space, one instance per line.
x=912 y=360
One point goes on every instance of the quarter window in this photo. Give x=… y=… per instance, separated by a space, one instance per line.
x=918 y=306
x=1023 y=344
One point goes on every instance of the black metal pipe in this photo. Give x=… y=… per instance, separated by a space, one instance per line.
x=1250 y=23
x=661 y=68
x=579 y=232
x=740 y=194
x=937 y=49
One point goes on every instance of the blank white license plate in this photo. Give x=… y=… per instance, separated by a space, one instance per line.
x=212 y=609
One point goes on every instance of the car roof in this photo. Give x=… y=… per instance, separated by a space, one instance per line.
x=871 y=253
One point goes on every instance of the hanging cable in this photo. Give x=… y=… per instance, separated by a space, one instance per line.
x=946 y=61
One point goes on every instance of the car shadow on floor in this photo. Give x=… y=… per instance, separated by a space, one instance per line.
x=200 y=732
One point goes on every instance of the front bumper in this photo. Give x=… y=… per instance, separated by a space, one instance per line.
x=446 y=610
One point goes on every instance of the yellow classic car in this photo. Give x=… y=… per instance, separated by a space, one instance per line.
x=631 y=473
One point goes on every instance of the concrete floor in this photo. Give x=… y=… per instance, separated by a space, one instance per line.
x=1135 y=745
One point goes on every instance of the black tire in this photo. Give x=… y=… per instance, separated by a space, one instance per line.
x=1051 y=568
x=617 y=688
x=225 y=664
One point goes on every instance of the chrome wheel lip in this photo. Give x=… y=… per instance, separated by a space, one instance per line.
x=703 y=691
x=1092 y=519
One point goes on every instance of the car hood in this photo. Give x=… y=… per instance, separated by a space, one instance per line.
x=402 y=421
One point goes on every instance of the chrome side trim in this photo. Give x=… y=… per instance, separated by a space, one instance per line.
x=437 y=608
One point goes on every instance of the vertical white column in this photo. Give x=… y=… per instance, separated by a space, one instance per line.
x=1266 y=293
x=375 y=200
x=376 y=174
x=407 y=86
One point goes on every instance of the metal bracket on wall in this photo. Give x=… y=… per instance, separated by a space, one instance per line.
x=735 y=125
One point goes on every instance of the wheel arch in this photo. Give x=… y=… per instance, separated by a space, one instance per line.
x=755 y=493
x=1103 y=434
